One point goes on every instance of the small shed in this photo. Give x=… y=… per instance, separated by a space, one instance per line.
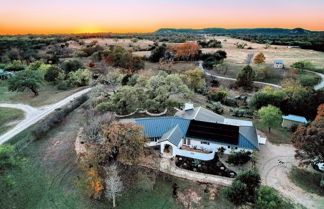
x=5 y=75
x=290 y=120
x=279 y=64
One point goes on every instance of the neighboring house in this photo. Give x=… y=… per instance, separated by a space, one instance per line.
x=198 y=133
x=279 y=64
x=291 y=120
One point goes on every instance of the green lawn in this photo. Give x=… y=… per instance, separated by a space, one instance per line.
x=307 y=180
x=48 y=94
x=277 y=135
x=8 y=115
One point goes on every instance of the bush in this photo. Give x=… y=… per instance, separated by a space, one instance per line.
x=52 y=74
x=16 y=65
x=268 y=198
x=216 y=107
x=42 y=128
x=230 y=102
x=239 y=158
x=237 y=193
x=217 y=95
x=308 y=80
x=71 y=66
x=79 y=78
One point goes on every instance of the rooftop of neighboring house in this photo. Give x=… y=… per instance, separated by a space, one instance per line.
x=295 y=118
x=200 y=124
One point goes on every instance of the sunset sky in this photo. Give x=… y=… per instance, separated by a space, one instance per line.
x=82 y=16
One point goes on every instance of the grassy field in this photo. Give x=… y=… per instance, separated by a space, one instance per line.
x=307 y=180
x=7 y=116
x=48 y=94
x=277 y=135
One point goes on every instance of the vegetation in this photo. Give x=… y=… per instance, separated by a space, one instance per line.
x=244 y=188
x=212 y=60
x=245 y=77
x=158 y=53
x=268 y=198
x=185 y=51
x=259 y=59
x=26 y=79
x=309 y=141
x=195 y=79
x=307 y=180
x=270 y=116
x=303 y=65
x=210 y=44
x=8 y=115
x=239 y=158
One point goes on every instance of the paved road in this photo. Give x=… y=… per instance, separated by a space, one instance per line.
x=321 y=84
x=33 y=115
x=317 y=87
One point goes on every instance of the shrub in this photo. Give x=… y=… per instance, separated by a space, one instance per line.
x=158 y=53
x=217 y=95
x=52 y=74
x=308 y=80
x=230 y=102
x=268 y=198
x=237 y=193
x=42 y=128
x=16 y=65
x=245 y=77
x=216 y=107
x=79 y=78
x=239 y=158
x=71 y=66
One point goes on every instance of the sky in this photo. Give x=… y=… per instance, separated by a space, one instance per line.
x=122 y=16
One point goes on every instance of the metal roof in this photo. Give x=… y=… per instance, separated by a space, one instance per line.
x=174 y=136
x=248 y=137
x=157 y=127
x=279 y=61
x=201 y=114
x=295 y=118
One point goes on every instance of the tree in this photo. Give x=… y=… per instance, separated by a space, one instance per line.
x=309 y=141
x=16 y=65
x=268 y=198
x=124 y=140
x=211 y=60
x=259 y=59
x=245 y=77
x=270 y=116
x=185 y=51
x=267 y=96
x=158 y=53
x=81 y=77
x=114 y=185
x=195 y=79
x=320 y=112
x=243 y=188
x=53 y=74
x=71 y=66
x=25 y=79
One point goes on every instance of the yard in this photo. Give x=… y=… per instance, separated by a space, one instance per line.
x=49 y=179
x=307 y=180
x=8 y=117
x=48 y=94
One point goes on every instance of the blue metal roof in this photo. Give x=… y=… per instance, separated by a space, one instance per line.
x=176 y=136
x=279 y=61
x=295 y=118
x=156 y=127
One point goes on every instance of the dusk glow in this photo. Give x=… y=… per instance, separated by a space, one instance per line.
x=80 y=16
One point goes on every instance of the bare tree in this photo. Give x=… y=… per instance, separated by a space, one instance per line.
x=114 y=185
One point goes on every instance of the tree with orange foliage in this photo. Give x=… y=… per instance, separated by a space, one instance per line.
x=309 y=141
x=259 y=59
x=185 y=51
x=94 y=183
x=320 y=112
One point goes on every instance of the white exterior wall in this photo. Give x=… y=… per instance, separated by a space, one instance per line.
x=197 y=155
x=278 y=66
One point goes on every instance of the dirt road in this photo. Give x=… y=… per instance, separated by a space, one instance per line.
x=275 y=174
x=33 y=115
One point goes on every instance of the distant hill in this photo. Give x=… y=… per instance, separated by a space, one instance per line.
x=268 y=31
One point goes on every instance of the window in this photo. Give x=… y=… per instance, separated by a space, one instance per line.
x=228 y=147
x=205 y=143
x=186 y=141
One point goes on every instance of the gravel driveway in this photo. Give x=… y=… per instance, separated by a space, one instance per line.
x=275 y=174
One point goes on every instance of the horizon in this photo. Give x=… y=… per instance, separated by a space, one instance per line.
x=129 y=16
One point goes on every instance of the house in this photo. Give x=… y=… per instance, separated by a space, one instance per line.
x=290 y=120
x=279 y=64
x=5 y=75
x=198 y=133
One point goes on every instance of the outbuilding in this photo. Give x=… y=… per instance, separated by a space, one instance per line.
x=291 y=120
x=279 y=64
